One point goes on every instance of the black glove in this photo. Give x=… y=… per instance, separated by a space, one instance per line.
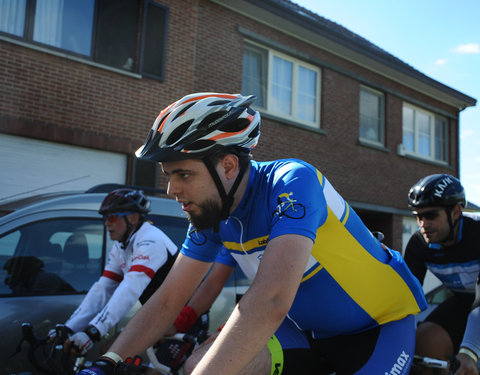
x=173 y=353
x=131 y=366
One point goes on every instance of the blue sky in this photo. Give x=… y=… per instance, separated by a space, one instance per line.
x=440 y=38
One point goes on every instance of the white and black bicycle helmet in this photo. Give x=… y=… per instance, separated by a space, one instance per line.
x=201 y=124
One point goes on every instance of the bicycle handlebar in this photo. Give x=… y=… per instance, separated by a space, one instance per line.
x=46 y=364
x=453 y=364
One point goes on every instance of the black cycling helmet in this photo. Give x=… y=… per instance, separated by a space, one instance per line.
x=199 y=125
x=125 y=200
x=437 y=190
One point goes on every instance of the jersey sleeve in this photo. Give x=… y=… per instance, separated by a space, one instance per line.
x=413 y=258
x=94 y=301
x=224 y=257
x=297 y=201
x=201 y=245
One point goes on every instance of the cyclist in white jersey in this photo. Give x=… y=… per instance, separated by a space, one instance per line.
x=139 y=260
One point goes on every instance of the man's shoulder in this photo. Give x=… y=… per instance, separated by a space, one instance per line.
x=149 y=234
x=281 y=169
x=471 y=228
x=416 y=242
x=472 y=219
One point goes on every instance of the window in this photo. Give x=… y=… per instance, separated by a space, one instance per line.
x=425 y=134
x=284 y=86
x=52 y=257
x=104 y=31
x=372 y=117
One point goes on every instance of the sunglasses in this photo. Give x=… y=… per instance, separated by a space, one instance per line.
x=428 y=215
x=114 y=217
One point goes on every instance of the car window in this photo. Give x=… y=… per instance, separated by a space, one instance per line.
x=51 y=257
x=174 y=227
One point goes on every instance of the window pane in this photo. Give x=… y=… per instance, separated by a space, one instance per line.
x=408 y=129
x=8 y=245
x=116 y=37
x=154 y=46
x=282 y=86
x=371 y=115
x=440 y=139
x=307 y=90
x=54 y=256
x=424 y=137
x=254 y=74
x=65 y=24
x=12 y=16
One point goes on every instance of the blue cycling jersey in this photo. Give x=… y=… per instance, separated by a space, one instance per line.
x=351 y=283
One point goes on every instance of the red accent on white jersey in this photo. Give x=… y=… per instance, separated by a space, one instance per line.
x=111 y=298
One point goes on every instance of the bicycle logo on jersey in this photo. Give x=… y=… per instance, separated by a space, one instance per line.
x=197 y=237
x=288 y=207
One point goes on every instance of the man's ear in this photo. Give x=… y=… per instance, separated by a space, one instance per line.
x=230 y=165
x=456 y=212
x=134 y=218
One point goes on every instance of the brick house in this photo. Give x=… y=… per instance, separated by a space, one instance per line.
x=81 y=87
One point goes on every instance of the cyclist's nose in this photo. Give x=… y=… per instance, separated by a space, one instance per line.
x=173 y=188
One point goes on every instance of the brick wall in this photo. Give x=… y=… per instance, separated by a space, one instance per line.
x=359 y=173
x=54 y=98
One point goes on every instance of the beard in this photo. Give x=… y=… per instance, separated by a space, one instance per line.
x=210 y=215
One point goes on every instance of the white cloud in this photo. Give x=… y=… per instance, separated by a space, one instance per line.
x=441 y=62
x=467 y=48
x=467 y=133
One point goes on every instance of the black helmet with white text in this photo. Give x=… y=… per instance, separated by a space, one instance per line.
x=437 y=190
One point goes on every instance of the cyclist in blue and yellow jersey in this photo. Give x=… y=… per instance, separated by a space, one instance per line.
x=322 y=284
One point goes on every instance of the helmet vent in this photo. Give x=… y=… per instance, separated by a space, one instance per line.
x=219 y=102
x=254 y=133
x=235 y=125
x=201 y=144
x=184 y=109
x=178 y=133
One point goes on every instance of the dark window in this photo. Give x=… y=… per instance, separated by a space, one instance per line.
x=144 y=172
x=155 y=24
x=372 y=118
x=117 y=33
x=52 y=257
x=174 y=227
x=110 y=32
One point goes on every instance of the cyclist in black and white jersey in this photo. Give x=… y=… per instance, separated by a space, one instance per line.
x=447 y=244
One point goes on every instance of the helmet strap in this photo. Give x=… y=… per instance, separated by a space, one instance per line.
x=227 y=199
x=129 y=232
x=451 y=235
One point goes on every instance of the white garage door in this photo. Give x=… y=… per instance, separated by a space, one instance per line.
x=32 y=167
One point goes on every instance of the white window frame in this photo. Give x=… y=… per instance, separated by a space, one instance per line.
x=433 y=121
x=268 y=108
x=380 y=117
